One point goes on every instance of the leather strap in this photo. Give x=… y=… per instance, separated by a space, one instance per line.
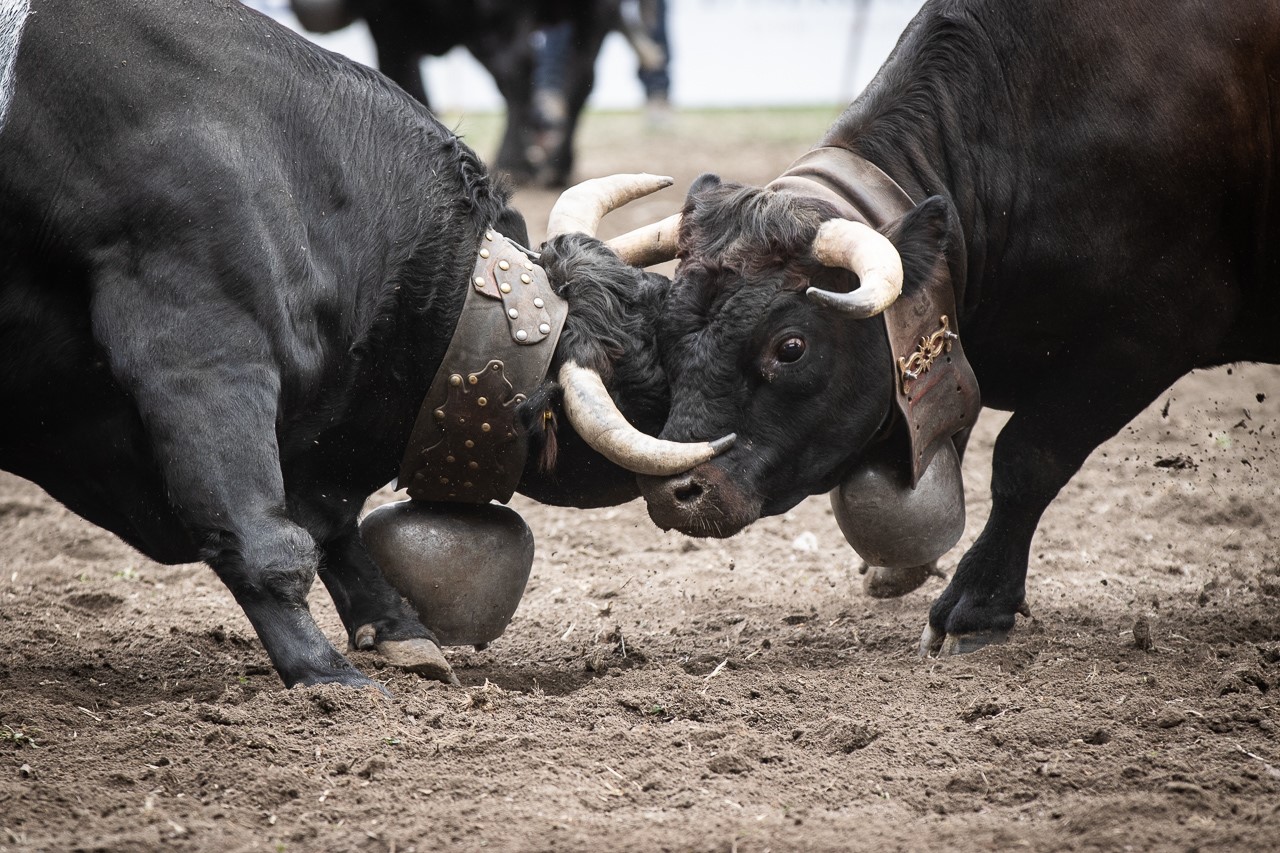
x=465 y=446
x=935 y=390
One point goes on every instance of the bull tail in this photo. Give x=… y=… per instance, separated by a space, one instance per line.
x=13 y=15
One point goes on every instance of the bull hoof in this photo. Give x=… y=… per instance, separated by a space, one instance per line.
x=879 y=582
x=365 y=638
x=419 y=656
x=937 y=644
x=930 y=641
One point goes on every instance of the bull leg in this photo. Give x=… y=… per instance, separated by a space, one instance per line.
x=512 y=66
x=232 y=500
x=397 y=56
x=374 y=613
x=1041 y=447
x=270 y=575
x=208 y=408
x=579 y=79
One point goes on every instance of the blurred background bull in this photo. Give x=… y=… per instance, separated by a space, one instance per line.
x=541 y=56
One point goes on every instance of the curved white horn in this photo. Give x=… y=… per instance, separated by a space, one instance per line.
x=866 y=253
x=648 y=245
x=595 y=417
x=581 y=207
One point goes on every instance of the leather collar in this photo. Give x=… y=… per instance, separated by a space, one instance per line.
x=935 y=390
x=465 y=445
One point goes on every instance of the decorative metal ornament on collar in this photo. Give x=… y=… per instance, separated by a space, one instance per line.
x=465 y=445
x=928 y=350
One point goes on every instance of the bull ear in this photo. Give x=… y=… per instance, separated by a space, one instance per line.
x=702 y=183
x=510 y=223
x=931 y=244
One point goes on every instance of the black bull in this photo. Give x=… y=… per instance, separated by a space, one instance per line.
x=230 y=263
x=499 y=34
x=1094 y=183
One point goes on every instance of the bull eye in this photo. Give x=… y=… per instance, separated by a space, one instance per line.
x=791 y=349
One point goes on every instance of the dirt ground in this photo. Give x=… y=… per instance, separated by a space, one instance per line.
x=660 y=693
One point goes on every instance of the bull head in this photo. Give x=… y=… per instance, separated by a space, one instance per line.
x=587 y=404
x=773 y=331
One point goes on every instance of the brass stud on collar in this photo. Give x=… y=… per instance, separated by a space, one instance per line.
x=522 y=335
x=503 y=265
x=544 y=328
x=504 y=287
x=488 y=235
x=525 y=279
x=484 y=253
x=455 y=380
x=469 y=443
x=474 y=466
x=479 y=281
x=439 y=414
x=450 y=459
x=472 y=379
x=485 y=427
x=538 y=303
x=528 y=265
x=513 y=314
x=483 y=401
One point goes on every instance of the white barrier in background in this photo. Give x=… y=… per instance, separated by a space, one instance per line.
x=724 y=53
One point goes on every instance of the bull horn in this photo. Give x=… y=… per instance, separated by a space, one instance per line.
x=651 y=244
x=594 y=416
x=581 y=207
x=866 y=253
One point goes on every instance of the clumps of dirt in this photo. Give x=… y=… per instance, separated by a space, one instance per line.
x=613 y=652
x=1176 y=463
x=981 y=709
x=1237 y=513
x=838 y=735
x=1267 y=580
x=93 y=602
x=1242 y=680
x=670 y=704
x=1142 y=635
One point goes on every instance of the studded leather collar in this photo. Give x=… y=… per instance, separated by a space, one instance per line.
x=936 y=392
x=465 y=446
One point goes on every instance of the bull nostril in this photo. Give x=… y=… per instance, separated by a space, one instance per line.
x=687 y=491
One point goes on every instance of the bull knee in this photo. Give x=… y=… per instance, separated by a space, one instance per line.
x=279 y=561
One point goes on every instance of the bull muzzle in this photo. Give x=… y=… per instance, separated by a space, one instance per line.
x=705 y=501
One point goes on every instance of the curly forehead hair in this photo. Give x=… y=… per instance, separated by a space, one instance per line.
x=748 y=229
